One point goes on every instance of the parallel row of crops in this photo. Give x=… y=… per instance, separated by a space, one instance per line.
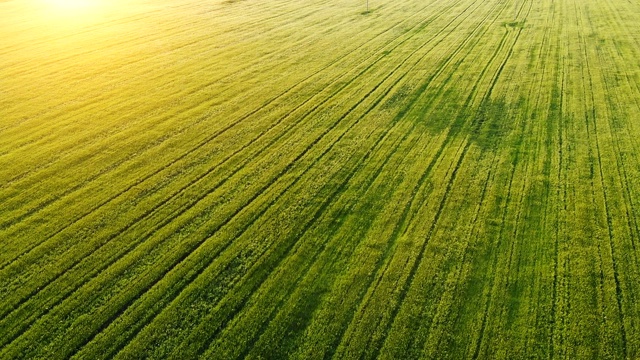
x=241 y=178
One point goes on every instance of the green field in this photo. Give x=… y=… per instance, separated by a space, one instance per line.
x=272 y=179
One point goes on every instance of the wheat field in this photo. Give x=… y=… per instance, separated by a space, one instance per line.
x=282 y=179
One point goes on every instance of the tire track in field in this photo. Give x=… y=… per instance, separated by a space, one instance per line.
x=317 y=140
x=561 y=294
x=400 y=115
x=207 y=49
x=199 y=40
x=561 y=193
x=258 y=61
x=583 y=170
x=616 y=274
x=589 y=111
x=193 y=203
x=175 y=214
x=485 y=316
x=592 y=113
x=202 y=50
x=7 y=50
x=624 y=184
x=635 y=229
x=87 y=30
x=547 y=134
x=631 y=222
x=561 y=208
x=125 y=20
x=200 y=271
x=174 y=30
x=515 y=233
x=523 y=205
x=235 y=213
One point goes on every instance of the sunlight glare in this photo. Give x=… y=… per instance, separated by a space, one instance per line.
x=68 y=14
x=72 y=7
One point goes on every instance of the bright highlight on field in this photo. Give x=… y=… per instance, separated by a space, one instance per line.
x=73 y=8
x=229 y=179
x=71 y=4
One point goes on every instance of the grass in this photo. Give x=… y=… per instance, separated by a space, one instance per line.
x=231 y=179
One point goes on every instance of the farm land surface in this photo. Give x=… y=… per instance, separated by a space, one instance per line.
x=284 y=179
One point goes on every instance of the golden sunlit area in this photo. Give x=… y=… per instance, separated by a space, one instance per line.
x=72 y=7
x=51 y=35
x=61 y=56
x=59 y=15
x=345 y=179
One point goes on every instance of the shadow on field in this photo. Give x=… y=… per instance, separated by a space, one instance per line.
x=491 y=123
x=514 y=24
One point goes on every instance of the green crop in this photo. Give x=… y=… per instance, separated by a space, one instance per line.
x=283 y=179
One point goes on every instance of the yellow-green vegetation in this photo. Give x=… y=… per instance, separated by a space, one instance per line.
x=306 y=179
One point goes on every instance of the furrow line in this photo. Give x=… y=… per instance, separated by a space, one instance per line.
x=485 y=316
x=561 y=208
x=625 y=185
x=607 y=212
x=209 y=83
